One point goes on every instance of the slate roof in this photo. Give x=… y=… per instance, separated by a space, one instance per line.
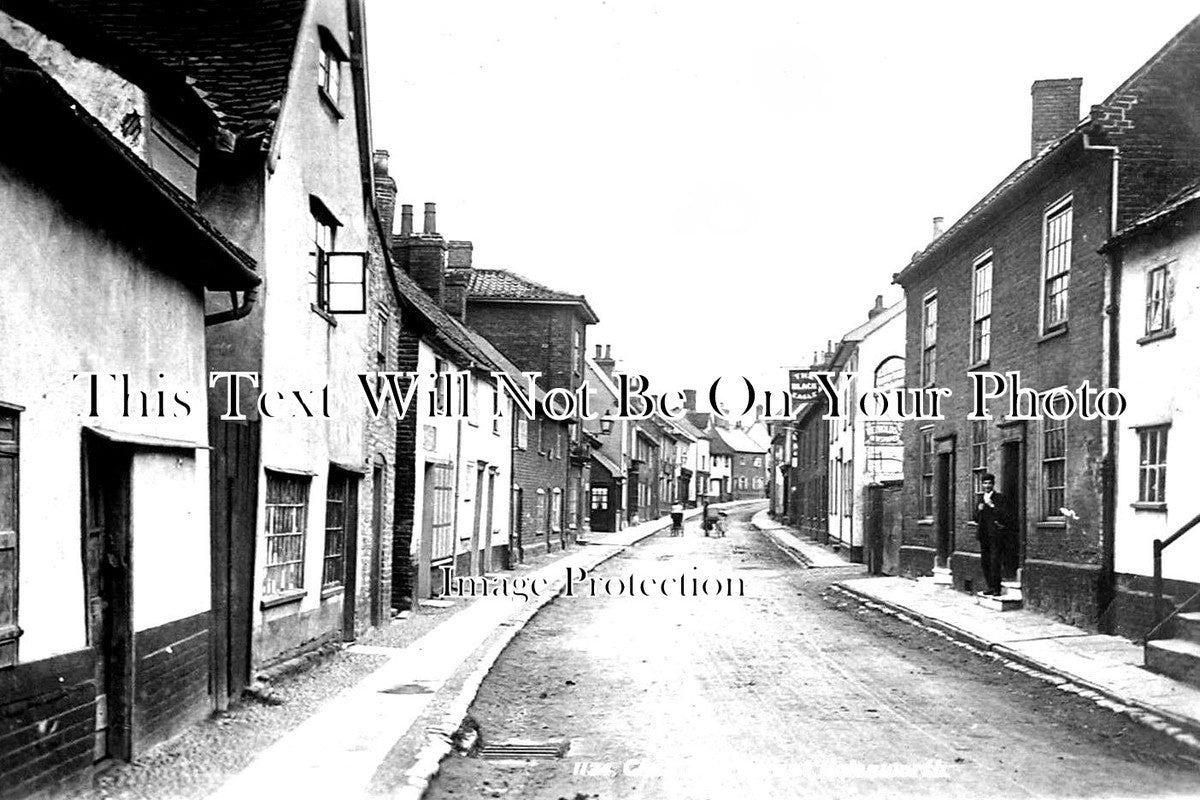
x=502 y=285
x=237 y=53
x=1029 y=165
x=1153 y=219
x=739 y=441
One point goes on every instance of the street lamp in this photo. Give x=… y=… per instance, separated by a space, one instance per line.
x=606 y=425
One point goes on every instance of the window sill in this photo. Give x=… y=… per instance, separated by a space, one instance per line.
x=1061 y=330
x=292 y=596
x=330 y=104
x=323 y=314
x=1157 y=336
x=978 y=365
x=1158 y=507
x=928 y=523
x=10 y=633
x=332 y=591
x=1051 y=524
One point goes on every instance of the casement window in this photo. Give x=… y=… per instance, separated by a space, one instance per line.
x=338 y=516
x=1056 y=265
x=338 y=279
x=1160 y=292
x=1054 y=467
x=929 y=321
x=556 y=510
x=599 y=498
x=981 y=311
x=926 y=461
x=439 y=385
x=758 y=483
x=522 y=433
x=979 y=456
x=1152 y=464
x=329 y=69
x=10 y=445
x=758 y=461
x=286 y=527
x=848 y=489
x=382 y=338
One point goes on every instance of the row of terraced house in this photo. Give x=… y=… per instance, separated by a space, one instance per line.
x=1081 y=266
x=201 y=253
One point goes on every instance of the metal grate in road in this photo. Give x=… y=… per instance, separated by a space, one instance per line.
x=522 y=751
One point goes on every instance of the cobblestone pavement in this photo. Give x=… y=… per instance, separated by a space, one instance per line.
x=199 y=761
x=789 y=691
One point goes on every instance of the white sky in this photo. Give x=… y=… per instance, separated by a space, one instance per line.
x=729 y=184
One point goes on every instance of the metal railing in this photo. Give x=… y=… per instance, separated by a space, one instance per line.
x=1159 y=546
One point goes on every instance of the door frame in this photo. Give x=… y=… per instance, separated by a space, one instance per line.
x=944 y=497
x=111 y=636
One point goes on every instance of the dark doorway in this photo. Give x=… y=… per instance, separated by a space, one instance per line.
x=341 y=509
x=233 y=504
x=944 y=502
x=516 y=527
x=476 y=562
x=1012 y=484
x=108 y=582
x=377 y=497
x=490 y=521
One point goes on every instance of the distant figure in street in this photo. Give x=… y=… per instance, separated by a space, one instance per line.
x=677 y=520
x=993 y=516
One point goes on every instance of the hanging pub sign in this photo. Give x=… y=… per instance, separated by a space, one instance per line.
x=803 y=386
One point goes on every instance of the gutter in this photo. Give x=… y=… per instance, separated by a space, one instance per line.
x=249 y=297
x=1109 y=378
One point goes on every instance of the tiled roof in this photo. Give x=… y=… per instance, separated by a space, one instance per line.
x=237 y=53
x=501 y=284
x=219 y=264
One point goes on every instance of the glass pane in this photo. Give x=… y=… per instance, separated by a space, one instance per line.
x=346 y=298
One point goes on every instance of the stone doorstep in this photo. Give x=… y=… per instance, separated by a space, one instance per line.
x=1187 y=626
x=1175 y=658
x=1009 y=601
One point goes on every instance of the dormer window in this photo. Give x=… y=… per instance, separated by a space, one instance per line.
x=329 y=70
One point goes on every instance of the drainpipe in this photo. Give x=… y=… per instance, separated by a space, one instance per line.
x=237 y=311
x=1106 y=591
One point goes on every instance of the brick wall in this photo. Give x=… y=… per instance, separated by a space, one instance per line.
x=541 y=467
x=379 y=439
x=537 y=338
x=1067 y=552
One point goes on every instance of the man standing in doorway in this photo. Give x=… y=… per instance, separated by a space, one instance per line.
x=993 y=521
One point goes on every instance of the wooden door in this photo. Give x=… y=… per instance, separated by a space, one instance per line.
x=108 y=589
x=1012 y=484
x=476 y=562
x=944 y=503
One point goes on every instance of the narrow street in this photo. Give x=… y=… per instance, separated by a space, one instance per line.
x=791 y=690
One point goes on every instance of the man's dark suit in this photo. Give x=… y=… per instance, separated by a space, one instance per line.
x=995 y=524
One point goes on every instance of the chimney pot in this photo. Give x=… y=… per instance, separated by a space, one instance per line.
x=431 y=218
x=937 y=226
x=381 y=162
x=608 y=351
x=599 y=352
x=1055 y=110
x=406 y=219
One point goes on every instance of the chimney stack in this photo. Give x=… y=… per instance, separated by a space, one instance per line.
x=460 y=255
x=423 y=256
x=689 y=399
x=937 y=226
x=1055 y=110
x=606 y=363
x=878 y=309
x=454 y=297
x=385 y=195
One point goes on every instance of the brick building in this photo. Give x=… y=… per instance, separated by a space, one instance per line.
x=1017 y=284
x=540 y=330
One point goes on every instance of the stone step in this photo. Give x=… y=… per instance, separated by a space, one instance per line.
x=1175 y=658
x=942 y=576
x=1009 y=601
x=1187 y=626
